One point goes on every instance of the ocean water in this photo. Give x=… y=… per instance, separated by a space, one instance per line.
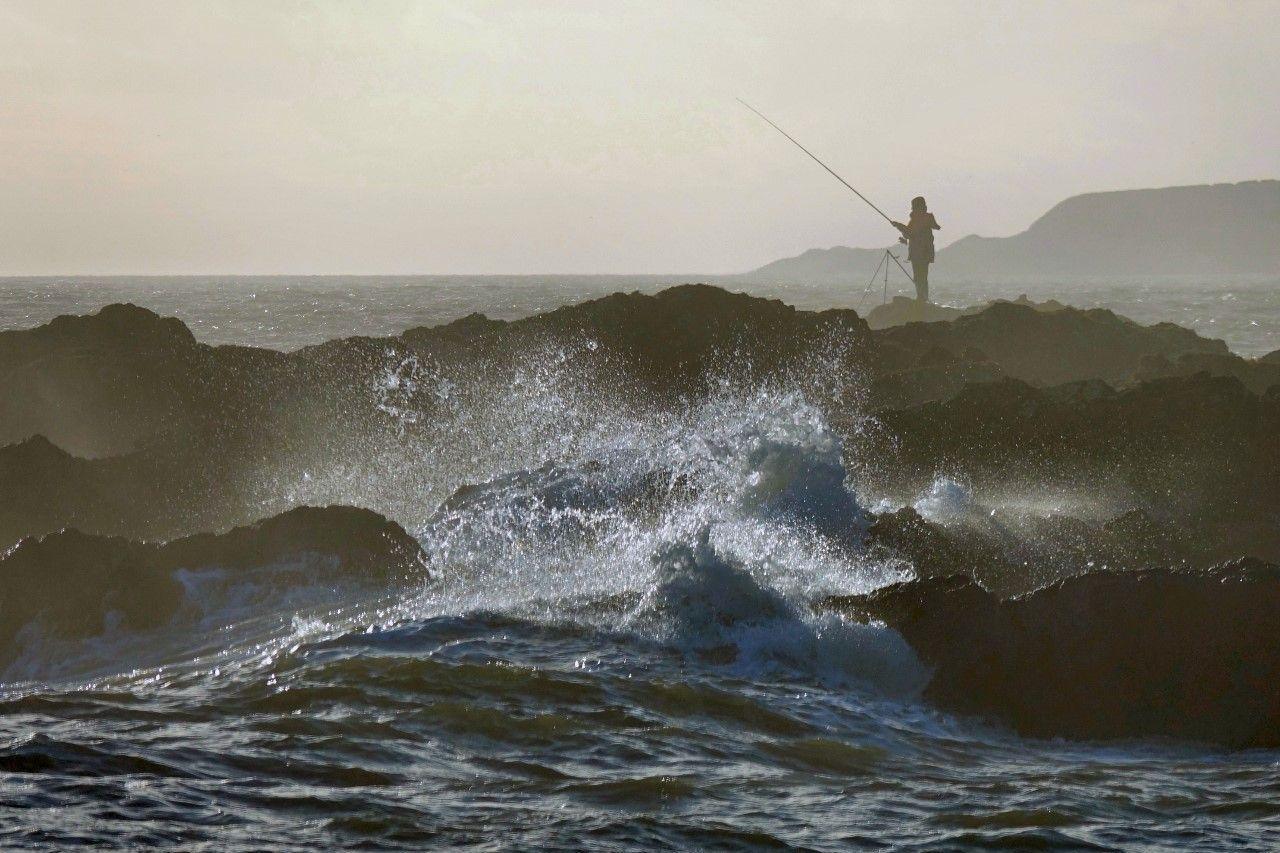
x=613 y=646
x=288 y=312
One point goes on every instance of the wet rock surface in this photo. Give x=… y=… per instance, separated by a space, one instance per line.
x=75 y=585
x=1187 y=655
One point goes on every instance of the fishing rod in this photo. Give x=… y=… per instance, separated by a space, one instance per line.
x=909 y=276
x=816 y=160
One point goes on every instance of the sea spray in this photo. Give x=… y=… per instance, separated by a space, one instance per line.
x=580 y=481
x=737 y=501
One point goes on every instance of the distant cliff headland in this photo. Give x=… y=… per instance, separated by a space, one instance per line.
x=1219 y=229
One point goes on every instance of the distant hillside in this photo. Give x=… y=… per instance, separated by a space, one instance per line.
x=1210 y=229
x=839 y=263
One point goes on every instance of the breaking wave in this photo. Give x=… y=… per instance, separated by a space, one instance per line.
x=710 y=528
x=709 y=525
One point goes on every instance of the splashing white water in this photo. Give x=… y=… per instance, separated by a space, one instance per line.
x=712 y=525
x=586 y=489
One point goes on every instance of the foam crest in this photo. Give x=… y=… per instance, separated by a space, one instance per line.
x=718 y=610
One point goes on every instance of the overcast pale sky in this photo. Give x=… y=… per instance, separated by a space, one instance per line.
x=399 y=137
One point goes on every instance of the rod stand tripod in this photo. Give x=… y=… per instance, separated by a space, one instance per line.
x=884 y=263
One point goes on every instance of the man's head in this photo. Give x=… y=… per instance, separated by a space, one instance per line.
x=918 y=205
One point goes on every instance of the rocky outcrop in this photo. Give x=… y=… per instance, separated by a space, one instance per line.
x=1259 y=375
x=670 y=342
x=1047 y=347
x=118 y=380
x=1187 y=655
x=164 y=492
x=1011 y=553
x=902 y=310
x=1198 y=453
x=165 y=436
x=73 y=585
x=125 y=379
x=364 y=544
x=931 y=549
x=936 y=374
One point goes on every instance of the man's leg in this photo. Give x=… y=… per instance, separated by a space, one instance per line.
x=920 y=272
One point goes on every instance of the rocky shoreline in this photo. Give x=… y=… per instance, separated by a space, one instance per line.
x=1112 y=476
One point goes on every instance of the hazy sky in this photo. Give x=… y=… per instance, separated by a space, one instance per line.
x=264 y=137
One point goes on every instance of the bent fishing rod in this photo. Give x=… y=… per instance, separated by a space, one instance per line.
x=833 y=174
x=816 y=160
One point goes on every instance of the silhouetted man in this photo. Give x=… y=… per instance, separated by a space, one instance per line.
x=918 y=235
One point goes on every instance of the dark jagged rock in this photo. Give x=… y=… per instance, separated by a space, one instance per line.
x=124 y=379
x=1258 y=375
x=169 y=436
x=114 y=381
x=673 y=340
x=1188 y=655
x=931 y=549
x=1011 y=553
x=1048 y=347
x=902 y=310
x=162 y=493
x=937 y=374
x=1200 y=453
x=122 y=325
x=70 y=581
x=364 y=543
x=687 y=330
x=172 y=436
x=42 y=488
x=74 y=585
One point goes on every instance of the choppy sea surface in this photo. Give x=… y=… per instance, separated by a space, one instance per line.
x=288 y=312
x=584 y=668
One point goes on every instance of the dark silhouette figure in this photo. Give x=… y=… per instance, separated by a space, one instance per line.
x=918 y=235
